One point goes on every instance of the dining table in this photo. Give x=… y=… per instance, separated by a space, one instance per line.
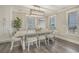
x=23 y=34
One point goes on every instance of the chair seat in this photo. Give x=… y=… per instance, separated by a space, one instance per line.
x=50 y=36
x=31 y=39
x=16 y=39
x=42 y=37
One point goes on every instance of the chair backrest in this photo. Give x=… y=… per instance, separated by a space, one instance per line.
x=31 y=31
x=55 y=33
x=10 y=34
x=31 y=35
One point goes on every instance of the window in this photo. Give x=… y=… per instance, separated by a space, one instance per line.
x=31 y=22
x=72 y=21
x=52 y=22
x=42 y=22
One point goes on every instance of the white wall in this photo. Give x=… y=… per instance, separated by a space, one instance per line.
x=5 y=21
x=7 y=15
x=62 y=26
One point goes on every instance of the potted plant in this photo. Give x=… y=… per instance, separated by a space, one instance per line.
x=17 y=24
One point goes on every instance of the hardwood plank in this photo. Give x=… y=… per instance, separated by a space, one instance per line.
x=60 y=46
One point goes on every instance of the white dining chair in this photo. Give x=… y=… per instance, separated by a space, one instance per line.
x=31 y=38
x=15 y=39
x=51 y=36
x=42 y=37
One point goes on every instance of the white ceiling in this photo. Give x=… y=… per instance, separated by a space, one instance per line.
x=49 y=9
x=54 y=7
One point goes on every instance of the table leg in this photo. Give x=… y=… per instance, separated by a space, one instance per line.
x=23 y=44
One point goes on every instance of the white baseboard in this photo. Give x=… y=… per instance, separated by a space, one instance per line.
x=67 y=38
x=4 y=41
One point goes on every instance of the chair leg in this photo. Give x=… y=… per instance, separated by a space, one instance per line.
x=45 y=42
x=53 y=40
x=28 y=47
x=48 y=41
x=23 y=44
x=39 y=43
x=11 y=48
x=36 y=44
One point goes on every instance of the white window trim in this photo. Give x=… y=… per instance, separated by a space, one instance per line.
x=73 y=10
x=55 y=19
x=42 y=20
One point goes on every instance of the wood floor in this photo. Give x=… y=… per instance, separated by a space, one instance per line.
x=60 y=46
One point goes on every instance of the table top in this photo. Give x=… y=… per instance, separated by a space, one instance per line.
x=20 y=33
x=23 y=33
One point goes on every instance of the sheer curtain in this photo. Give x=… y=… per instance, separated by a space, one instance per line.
x=72 y=21
x=52 y=23
x=42 y=22
x=31 y=23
